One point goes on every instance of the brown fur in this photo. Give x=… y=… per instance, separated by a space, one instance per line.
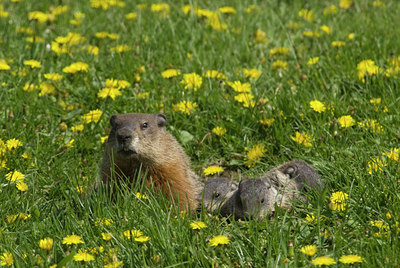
x=141 y=141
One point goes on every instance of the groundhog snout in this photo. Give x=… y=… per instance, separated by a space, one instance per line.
x=126 y=139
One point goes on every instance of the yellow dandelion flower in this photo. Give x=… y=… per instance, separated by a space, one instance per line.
x=312 y=61
x=267 y=122
x=192 y=81
x=197 y=225
x=240 y=87
x=77 y=128
x=53 y=76
x=260 y=37
x=393 y=154
x=21 y=185
x=120 y=48
x=94 y=50
x=309 y=250
x=278 y=51
x=367 y=67
x=33 y=63
x=39 y=16
x=4 y=66
x=375 y=165
x=311 y=34
x=371 y=125
x=34 y=39
x=13 y=144
x=255 y=154
x=244 y=97
x=346 y=121
x=14 y=176
x=211 y=170
x=303 y=138
x=101 y=221
x=162 y=7
x=326 y=29
x=219 y=131
x=279 y=64
x=350 y=36
x=114 y=264
x=92 y=116
x=106 y=236
x=142 y=239
x=83 y=256
x=312 y=219
x=218 y=240
x=320 y=261
x=111 y=92
x=317 y=106
x=184 y=107
x=46 y=89
x=345 y=4
x=6 y=259
x=330 y=10
x=103 y=139
x=350 y=259
x=227 y=10
x=131 y=16
x=338 y=200
x=72 y=240
x=170 y=73
x=141 y=196
x=251 y=73
x=71 y=39
x=307 y=14
x=46 y=243
x=21 y=216
x=338 y=44
x=215 y=22
x=214 y=74
x=79 y=189
x=76 y=67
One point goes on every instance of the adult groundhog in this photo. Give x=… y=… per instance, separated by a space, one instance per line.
x=139 y=142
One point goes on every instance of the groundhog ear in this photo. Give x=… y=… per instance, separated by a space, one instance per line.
x=161 y=120
x=291 y=171
x=112 y=120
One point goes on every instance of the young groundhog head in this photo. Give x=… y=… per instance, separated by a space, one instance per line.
x=257 y=198
x=215 y=192
x=305 y=176
x=136 y=135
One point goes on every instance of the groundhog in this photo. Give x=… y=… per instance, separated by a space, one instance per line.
x=254 y=198
x=216 y=191
x=139 y=145
x=292 y=179
x=280 y=186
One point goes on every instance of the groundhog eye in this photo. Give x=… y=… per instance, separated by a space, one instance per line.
x=145 y=125
x=262 y=201
x=216 y=195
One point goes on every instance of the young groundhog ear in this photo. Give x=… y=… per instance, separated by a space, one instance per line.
x=161 y=120
x=112 y=120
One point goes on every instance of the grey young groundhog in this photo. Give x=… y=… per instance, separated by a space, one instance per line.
x=139 y=142
x=216 y=191
x=279 y=186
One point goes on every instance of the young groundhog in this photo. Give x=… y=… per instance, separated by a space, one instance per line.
x=139 y=142
x=254 y=198
x=280 y=186
x=216 y=191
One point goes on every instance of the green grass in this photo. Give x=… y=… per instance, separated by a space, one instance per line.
x=341 y=155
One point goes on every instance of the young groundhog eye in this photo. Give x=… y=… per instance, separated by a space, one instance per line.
x=262 y=201
x=216 y=195
x=145 y=125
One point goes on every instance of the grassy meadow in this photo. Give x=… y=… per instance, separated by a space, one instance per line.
x=245 y=85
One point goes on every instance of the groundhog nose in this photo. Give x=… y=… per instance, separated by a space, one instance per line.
x=124 y=136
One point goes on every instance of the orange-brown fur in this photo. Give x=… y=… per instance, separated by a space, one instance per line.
x=156 y=152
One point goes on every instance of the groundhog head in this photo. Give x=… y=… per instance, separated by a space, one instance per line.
x=136 y=135
x=257 y=197
x=215 y=192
